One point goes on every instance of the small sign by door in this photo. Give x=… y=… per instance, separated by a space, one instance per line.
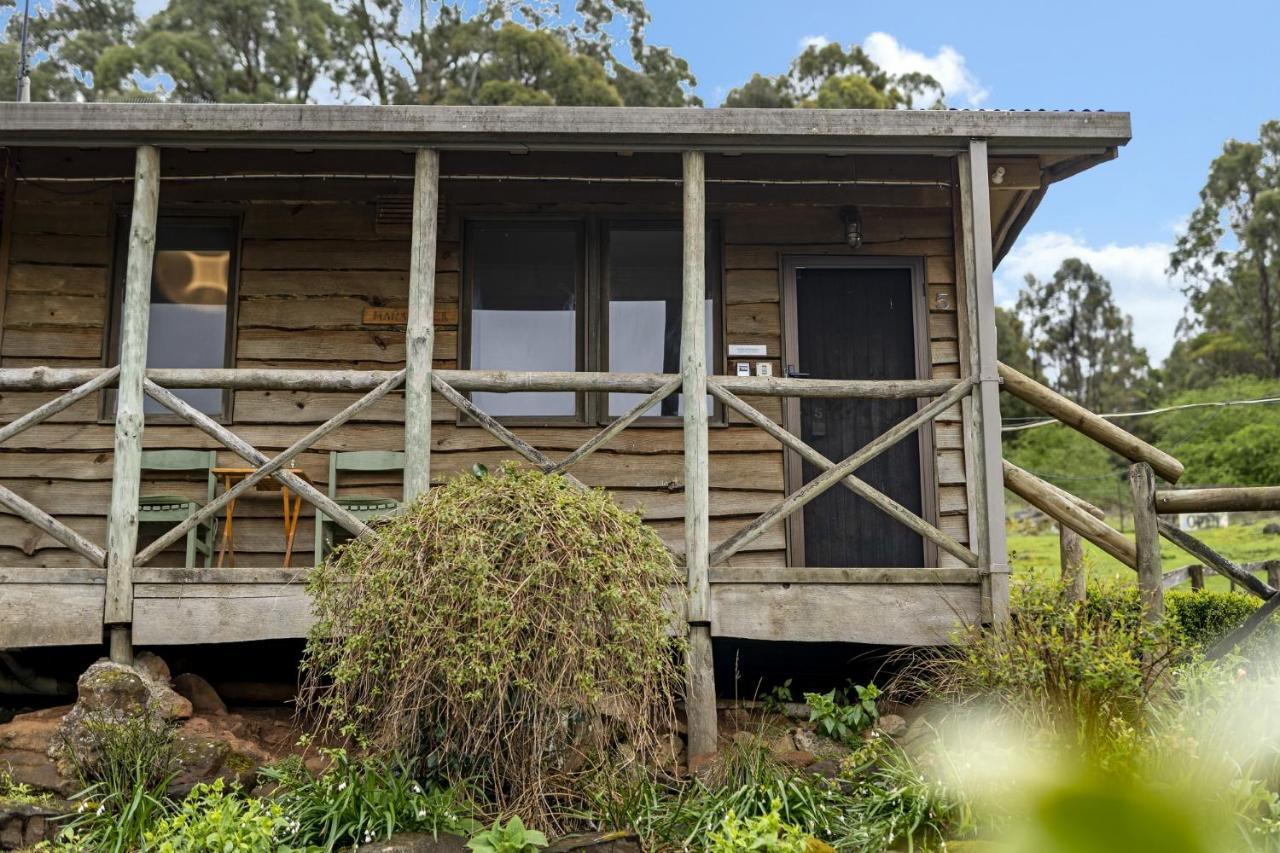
x=385 y=317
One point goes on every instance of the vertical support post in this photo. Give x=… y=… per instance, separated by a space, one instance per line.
x=7 y=191
x=1273 y=573
x=1146 y=534
x=1071 y=557
x=986 y=478
x=1197 y=576
x=122 y=519
x=700 y=701
x=420 y=331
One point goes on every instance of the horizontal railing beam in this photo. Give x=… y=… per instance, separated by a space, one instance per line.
x=499 y=381
x=1244 y=499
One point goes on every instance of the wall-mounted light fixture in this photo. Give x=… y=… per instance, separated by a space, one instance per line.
x=852 y=219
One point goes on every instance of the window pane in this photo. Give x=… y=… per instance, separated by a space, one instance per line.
x=188 y=325
x=524 y=284
x=645 y=294
x=189 y=304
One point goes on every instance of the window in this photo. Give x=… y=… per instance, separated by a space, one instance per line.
x=190 y=321
x=644 y=274
x=533 y=304
x=525 y=298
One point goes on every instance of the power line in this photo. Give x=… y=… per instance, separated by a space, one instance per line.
x=1222 y=404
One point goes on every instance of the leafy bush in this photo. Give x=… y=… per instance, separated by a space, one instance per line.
x=358 y=801
x=503 y=630
x=510 y=838
x=1072 y=669
x=840 y=719
x=765 y=833
x=125 y=767
x=213 y=819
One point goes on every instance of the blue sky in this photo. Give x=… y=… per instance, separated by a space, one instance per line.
x=1191 y=74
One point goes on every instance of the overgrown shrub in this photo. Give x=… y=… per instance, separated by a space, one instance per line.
x=505 y=630
x=360 y=800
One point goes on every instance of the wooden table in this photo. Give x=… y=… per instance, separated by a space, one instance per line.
x=292 y=509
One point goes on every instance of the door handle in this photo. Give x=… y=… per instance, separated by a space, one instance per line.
x=792 y=373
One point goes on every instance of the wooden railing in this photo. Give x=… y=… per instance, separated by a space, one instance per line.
x=1078 y=518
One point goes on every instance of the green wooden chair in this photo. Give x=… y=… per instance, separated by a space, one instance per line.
x=168 y=510
x=363 y=507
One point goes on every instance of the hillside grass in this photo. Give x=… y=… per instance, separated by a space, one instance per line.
x=1037 y=554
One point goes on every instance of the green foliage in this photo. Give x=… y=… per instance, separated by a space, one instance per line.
x=504 y=631
x=20 y=794
x=1081 y=339
x=1068 y=459
x=840 y=719
x=766 y=833
x=829 y=77
x=74 y=36
x=511 y=837
x=125 y=767
x=360 y=800
x=213 y=819
x=1230 y=255
x=1226 y=446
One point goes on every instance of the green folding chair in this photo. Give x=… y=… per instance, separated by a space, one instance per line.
x=168 y=510
x=364 y=507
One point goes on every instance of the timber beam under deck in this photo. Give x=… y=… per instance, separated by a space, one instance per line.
x=63 y=607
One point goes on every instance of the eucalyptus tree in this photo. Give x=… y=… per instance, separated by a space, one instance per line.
x=830 y=77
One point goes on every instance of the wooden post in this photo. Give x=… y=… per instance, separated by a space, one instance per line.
x=1197 y=576
x=986 y=479
x=700 y=699
x=420 y=331
x=1071 y=557
x=1273 y=573
x=122 y=518
x=1146 y=535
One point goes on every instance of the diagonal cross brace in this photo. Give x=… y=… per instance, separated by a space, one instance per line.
x=59 y=403
x=809 y=491
x=497 y=430
x=33 y=514
x=859 y=487
x=276 y=463
x=605 y=435
x=209 y=427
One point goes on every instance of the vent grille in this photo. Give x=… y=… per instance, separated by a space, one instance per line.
x=394 y=215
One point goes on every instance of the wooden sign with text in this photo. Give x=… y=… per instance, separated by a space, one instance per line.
x=445 y=316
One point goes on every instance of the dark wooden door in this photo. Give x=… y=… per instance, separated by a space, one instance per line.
x=858 y=323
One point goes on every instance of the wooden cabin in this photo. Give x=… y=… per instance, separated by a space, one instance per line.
x=463 y=285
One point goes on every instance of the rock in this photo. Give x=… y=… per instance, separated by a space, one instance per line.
x=599 y=842
x=1272 y=529
x=828 y=768
x=892 y=725
x=417 y=842
x=116 y=689
x=701 y=761
x=796 y=758
x=25 y=746
x=152 y=666
x=200 y=693
x=806 y=741
x=24 y=825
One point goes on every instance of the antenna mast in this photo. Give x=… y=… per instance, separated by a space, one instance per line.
x=24 y=73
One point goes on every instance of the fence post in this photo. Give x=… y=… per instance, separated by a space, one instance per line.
x=1071 y=557
x=1146 y=533
x=700 y=700
x=420 y=330
x=122 y=520
x=983 y=439
x=1197 y=576
x=1273 y=573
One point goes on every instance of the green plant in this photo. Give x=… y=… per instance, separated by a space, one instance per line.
x=766 y=833
x=126 y=767
x=840 y=719
x=778 y=695
x=512 y=837
x=504 y=631
x=18 y=793
x=213 y=819
x=360 y=800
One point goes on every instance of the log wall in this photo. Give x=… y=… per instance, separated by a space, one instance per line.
x=313 y=258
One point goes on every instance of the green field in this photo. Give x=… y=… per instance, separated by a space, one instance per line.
x=1038 y=553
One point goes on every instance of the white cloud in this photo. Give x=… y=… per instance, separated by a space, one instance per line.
x=947 y=66
x=1141 y=287
x=814 y=41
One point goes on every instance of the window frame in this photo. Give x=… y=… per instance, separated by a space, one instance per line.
x=715 y=289
x=582 y=308
x=232 y=218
